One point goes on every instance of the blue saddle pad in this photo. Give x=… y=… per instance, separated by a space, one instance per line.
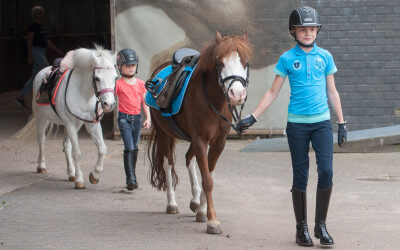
x=177 y=102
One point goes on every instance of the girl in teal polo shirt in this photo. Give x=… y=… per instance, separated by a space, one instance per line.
x=310 y=70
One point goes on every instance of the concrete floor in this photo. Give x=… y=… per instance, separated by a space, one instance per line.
x=251 y=198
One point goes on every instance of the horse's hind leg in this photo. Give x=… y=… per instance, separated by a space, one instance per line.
x=95 y=131
x=41 y=125
x=165 y=149
x=196 y=190
x=68 y=155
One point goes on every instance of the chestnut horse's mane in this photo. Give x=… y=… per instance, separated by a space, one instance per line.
x=213 y=50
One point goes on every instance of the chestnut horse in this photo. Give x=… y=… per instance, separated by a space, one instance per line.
x=218 y=82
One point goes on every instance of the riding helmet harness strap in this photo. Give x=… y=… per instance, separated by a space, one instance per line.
x=98 y=115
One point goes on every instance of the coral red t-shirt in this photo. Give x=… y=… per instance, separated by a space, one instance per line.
x=130 y=97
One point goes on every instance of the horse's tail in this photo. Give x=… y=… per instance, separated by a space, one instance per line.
x=28 y=132
x=156 y=154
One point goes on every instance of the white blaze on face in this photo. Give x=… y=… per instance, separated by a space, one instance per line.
x=233 y=66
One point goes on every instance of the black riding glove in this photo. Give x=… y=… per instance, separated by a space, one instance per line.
x=245 y=123
x=342 y=134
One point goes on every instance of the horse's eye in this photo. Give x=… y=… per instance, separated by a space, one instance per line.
x=221 y=64
x=96 y=78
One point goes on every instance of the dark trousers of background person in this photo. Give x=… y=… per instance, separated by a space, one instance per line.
x=39 y=62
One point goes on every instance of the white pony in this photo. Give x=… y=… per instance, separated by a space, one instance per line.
x=89 y=82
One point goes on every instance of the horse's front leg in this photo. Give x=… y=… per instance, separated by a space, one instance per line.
x=73 y=135
x=94 y=129
x=68 y=155
x=200 y=150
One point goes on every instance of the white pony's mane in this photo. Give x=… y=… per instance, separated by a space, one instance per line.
x=84 y=58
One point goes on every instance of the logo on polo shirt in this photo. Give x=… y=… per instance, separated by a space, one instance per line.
x=297 y=65
x=319 y=63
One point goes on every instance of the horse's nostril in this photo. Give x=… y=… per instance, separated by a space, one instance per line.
x=105 y=104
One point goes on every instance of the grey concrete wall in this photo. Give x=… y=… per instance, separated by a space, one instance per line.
x=361 y=35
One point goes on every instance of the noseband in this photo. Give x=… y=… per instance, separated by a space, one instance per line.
x=98 y=114
x=232 y=109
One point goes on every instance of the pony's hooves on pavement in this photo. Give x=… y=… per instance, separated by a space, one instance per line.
x=172 y=210
x=79 y=185
x=41 y=170
x=214 y=228
x=194 y=206
x=92 y=179
x=200 y=217
x=71 y=179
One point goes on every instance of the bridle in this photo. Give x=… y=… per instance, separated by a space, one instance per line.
x=99 y=113
x=232 y=109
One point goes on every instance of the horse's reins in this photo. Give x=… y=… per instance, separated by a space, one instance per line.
x=98 y=116
x=236 y=116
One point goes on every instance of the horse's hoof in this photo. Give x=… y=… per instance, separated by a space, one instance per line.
x=172 y=210
x=200 y=217
x=213 y=227
x=79 y=185
x=92 y=179
x=41 y=170
x=194 y=206
x=71 y=179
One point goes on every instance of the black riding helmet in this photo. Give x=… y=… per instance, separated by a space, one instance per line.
x=302 y=17
x=127 y=57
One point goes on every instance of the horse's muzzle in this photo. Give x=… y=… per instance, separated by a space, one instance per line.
x=237 y=96
x=107 y=106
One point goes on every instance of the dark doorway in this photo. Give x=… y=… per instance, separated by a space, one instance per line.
x=70 y=24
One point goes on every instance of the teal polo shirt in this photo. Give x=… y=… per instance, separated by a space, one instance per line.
x=307 y=74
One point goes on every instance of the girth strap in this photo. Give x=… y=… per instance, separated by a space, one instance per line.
x=172 y=124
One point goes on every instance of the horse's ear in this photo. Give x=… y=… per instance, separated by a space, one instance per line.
x=218 y=37
x=245 y=36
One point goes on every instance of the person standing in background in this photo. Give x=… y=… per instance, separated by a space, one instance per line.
x=37 y=47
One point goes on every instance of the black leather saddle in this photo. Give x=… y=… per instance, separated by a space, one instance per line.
x=180 y=54
x=173 y=83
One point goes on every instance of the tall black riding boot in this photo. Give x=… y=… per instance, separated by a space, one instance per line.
x=134 y=184
x=300 y=211
x=129 y=169
x=321 y=211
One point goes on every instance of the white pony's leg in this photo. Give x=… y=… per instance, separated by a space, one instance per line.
x=68 y=155
x=196 y=190
x=201 y=215
x=94 y=129
x=172 y=207
x=73 y=135
x=41 y=125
